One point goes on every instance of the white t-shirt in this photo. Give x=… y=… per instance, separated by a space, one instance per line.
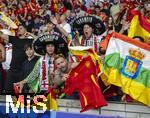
x=6 y=64
x=66 y=27
x=90 y=42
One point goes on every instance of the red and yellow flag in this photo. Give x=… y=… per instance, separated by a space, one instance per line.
x=78 y=52
x=51 y=100
x=140 y=26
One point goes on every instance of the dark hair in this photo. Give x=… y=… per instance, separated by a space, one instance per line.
x=55 y=47
x=26 y=46
x=89 y=24
x=97 y=7
x=141 y=39
x=105 y=11
x=48 y=21
x=23 y=25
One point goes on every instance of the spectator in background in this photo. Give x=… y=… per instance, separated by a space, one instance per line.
x=64 y=24
x=70 y=17
x=6 y=63
x=138 y=38
x=2 y=59
x=62 y=41
x=37 y=24
x=14 y=74
x=29 y=23
x=97 y=10
x=88 y=3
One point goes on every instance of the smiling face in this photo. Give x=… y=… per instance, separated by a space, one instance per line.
x=61 y=64
x=87 y=31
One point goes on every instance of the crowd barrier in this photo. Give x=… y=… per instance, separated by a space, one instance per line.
x=17 y=113
x=58 y=114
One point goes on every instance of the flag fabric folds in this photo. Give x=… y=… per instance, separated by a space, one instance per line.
x=51 y=100
x=140 y=26
x=33 y=78
x=80 y=51
x=83 y=78
x=8 y=21
x=77 y=52
x=127 y=65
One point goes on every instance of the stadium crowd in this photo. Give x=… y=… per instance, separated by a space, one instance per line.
x=38 y=48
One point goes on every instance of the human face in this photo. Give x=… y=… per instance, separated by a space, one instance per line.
x=50 y=48
x=97 y=10
x=87 y=30
x=21 y=30
x=68 y=13
x=147 y=6
x=62 y=18
x=61 y=64
x=100 y=4
x=50 y=26
x=29 y=52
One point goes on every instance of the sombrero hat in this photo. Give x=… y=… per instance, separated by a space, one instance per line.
x=97 y=25
x=40 y=43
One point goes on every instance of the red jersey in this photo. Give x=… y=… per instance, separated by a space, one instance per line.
x=83 y=79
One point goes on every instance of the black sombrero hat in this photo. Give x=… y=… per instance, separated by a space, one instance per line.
x=40 y=43
x=97 y=25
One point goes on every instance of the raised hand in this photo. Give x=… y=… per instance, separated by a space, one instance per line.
x=54 y=20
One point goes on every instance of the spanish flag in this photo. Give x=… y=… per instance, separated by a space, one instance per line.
x=127 y=65
x=78 y=52
x=140 y=26
x=51 y=100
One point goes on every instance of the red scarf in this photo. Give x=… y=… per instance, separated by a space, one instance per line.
x=43 y=69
